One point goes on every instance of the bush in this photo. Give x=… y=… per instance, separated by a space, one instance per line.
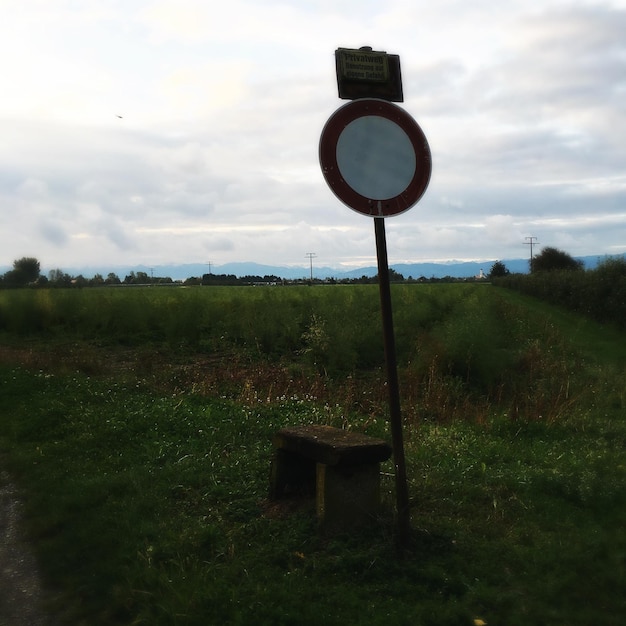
x=551 y=259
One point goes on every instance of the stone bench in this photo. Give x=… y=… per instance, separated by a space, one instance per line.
x=342 y=468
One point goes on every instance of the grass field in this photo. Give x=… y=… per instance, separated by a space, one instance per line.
x=138 y=425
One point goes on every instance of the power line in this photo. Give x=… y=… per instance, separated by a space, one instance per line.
x=531 y=241
x=311 y=256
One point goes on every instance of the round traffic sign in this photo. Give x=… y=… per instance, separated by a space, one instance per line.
x=375 y=157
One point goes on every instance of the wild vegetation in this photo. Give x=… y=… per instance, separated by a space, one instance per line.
x=138 y=424
x=599 y=293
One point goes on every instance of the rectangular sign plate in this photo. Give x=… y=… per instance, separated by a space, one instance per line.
x=363 y=65
x=365 y=73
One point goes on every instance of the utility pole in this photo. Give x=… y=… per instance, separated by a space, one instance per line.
x=311 y=256
x=531 y=241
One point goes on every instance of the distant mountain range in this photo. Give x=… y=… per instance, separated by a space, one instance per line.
x=453 y=269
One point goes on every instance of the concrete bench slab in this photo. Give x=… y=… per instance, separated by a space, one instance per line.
x=340 y=467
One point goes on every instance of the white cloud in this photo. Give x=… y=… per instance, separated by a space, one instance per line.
x=222 y=105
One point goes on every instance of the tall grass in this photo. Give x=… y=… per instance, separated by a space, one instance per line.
x=463 y=350
x=139 y=426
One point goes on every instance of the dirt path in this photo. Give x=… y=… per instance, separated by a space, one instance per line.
x=20 y=588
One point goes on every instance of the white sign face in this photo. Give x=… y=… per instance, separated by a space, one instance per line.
x=375 y=157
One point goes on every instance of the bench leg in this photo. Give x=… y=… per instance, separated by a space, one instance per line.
x=291 y=474
x=347 y=497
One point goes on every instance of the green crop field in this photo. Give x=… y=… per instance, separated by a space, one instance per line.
x=137 y=423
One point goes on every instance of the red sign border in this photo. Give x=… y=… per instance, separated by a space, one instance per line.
x=330 y=169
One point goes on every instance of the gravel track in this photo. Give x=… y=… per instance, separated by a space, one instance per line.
x=21 y=594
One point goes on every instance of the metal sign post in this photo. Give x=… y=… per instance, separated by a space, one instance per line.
x=395 y=414
x=376 y=160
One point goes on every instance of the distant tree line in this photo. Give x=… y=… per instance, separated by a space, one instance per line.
x=26 y=272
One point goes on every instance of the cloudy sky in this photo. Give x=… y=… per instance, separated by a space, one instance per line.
x=187 y=131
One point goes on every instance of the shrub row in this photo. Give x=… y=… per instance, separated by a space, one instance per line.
x=599 y=294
